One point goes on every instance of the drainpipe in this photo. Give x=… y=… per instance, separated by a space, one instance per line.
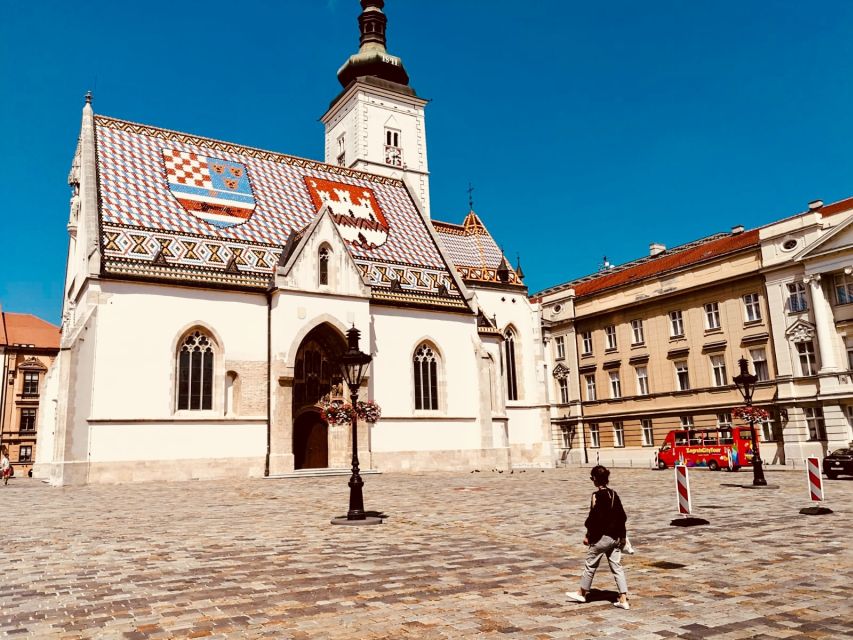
x=270 y=291
x=4 y=392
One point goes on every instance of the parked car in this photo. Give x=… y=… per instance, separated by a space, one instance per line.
x=838 y=462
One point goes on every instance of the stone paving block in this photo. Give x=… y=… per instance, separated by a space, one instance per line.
x=258 y=559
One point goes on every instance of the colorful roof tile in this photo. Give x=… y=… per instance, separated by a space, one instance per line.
x=473 y=250
x=27 y=329
x=185 y=208
x=674 y=259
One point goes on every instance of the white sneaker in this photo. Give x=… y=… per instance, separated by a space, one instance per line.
x=574 y=595
x=622 y=605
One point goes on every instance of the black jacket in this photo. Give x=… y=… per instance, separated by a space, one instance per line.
x=606 y=516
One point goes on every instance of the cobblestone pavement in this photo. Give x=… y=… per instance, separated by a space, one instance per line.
x=468 y=555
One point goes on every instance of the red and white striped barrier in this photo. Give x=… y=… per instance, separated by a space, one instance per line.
x=682 y=489
x=815 y=479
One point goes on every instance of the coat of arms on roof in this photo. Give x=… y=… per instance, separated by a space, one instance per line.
x=354 y=209
x=214 y=190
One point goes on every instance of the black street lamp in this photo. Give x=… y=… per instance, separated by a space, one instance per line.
x=354 y=365
x=745 y=383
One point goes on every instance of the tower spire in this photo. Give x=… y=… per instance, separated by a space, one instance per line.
x=372 y=59
x=372 y=23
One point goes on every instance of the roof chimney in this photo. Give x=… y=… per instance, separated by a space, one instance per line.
x=656 y=248
x=814 y=205
x=738 y=228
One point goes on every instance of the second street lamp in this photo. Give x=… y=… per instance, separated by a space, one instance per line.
x=354 y=365
x=745 y=383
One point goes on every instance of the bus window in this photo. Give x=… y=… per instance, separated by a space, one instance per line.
x=680 y=439
x=695 y=438
x=709 y=438
x=726 y=437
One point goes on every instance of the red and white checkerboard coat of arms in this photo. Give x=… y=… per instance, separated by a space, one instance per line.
x=214 y=190
x=354 y=209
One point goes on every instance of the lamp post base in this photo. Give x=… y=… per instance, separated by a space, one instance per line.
x=816 y=511
x=688 y=521
x=365 y=520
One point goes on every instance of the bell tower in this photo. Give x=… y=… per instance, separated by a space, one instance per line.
x=376 y=123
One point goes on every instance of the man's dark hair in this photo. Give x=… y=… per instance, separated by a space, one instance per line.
x=600 y=475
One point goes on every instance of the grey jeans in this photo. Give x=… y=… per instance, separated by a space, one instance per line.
x=604 y=547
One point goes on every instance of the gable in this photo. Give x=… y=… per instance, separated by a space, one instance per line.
x=183 y=208
x=302 y=269
x=838 y=239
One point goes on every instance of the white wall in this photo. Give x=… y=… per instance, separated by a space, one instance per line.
x=139 y=326
x=177 y=441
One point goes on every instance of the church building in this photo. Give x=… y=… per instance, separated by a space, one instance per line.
x=210 y=285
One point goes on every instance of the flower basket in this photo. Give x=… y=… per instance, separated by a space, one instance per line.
x=368 y=411
x=751 y=414
x=336 y=412
x=339 y=412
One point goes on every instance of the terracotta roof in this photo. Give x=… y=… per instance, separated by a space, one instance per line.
x=182 y=207
x=671 y=260
x=23 y=328
x=836 y=207
x=473 y=250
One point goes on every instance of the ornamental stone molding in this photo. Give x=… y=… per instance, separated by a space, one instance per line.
x=32 y=363
x=561 y=372
x=800 y=331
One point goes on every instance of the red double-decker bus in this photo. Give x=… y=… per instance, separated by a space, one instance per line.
x=711 y=448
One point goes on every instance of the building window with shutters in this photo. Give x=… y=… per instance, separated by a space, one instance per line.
x=676 y=324
x=751 y=307
x=712 y=316
x=196 y=354
x=590 y=387
x=797 y=301
x=814 y=420
x=637 y=334
x=648 y=432
x=808 y=363
x=426 y=378
x=564 y=390
x=560 y=345
x=618 y=434
x=594 y=436
x=31 y=383
x=28 y=420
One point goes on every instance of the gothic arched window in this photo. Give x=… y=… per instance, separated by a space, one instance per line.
x=509 y=365
x=195 y=372
x=324 y=265
x=426 y=378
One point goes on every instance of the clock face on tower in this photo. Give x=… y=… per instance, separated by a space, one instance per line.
x=393 y=156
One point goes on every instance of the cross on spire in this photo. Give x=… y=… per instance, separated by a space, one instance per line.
x=470 y=197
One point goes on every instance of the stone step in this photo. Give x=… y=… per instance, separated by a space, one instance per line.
x=318 y=473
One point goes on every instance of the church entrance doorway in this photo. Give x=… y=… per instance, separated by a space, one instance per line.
x=316 y=380
x=310 y=442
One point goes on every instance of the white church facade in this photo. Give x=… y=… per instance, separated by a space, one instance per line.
x=209 y=287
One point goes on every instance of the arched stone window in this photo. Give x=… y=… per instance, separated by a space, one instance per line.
x=323 y=264
x=425 y=364
x=509 y=365
x=196 y=353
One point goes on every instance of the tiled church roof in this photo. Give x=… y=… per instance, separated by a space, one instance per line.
x=671 y=260
x=473 y=250
x=185 y=208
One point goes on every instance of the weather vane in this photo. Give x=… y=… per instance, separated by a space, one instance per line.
x=470 y=197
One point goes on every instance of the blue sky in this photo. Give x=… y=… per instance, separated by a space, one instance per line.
x=587 y=129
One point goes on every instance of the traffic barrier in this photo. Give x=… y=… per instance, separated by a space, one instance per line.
x=682 y=492
x=815 y=480
x=682 y=489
